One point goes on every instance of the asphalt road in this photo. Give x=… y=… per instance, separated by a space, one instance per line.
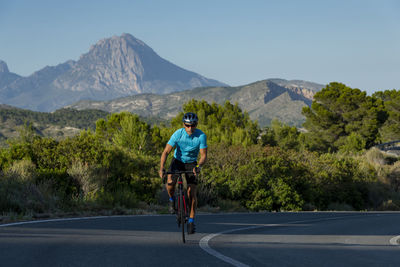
x=262 y=239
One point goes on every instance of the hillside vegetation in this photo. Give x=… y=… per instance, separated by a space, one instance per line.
x=61 y=123
x=263 y=100
x=332 y=166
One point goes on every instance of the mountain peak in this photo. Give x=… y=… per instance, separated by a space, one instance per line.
x=113 y=67
x=124 y=41
x=130 y=38
x=3 y=67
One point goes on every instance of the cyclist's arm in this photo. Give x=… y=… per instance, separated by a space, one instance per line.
x=164 y=155
x=203 y=150
x=203 y=157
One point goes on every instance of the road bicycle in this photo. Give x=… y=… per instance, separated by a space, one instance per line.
x=182 y=206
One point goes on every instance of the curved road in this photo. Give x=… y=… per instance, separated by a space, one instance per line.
x=254 y=239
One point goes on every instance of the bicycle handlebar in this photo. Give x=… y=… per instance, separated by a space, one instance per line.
x=179 y=172
x=164 y=176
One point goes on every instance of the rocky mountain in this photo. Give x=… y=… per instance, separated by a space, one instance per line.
x=3 y=67
x=114 y=67
x=263 y=100
x=6 y=77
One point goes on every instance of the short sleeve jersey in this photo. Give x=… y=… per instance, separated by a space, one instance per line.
x=187 y=146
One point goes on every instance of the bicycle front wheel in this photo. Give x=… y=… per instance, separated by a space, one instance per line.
x=182 y=209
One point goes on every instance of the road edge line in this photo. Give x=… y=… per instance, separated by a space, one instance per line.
x=206 y=247
x=76 y=219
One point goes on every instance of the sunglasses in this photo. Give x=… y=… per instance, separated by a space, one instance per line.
x=190 y=126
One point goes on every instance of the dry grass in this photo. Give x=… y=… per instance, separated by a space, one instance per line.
x=384 y=193
x=90 y=179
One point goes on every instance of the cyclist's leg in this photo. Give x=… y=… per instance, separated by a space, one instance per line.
x=191 y=189
x=171 y=179
x=171 y=191
x=192 y=195
x=170 y=185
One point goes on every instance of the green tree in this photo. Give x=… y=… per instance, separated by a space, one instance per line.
x=222 y=123
x=337 y=111
x=133 y=134
x=286 y=136
x=127 y=131
x=390 y=131
x=353 y=143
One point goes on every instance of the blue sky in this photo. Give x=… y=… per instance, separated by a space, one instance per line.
x=356 y=42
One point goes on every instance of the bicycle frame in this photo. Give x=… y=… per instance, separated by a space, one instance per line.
x=182 y=213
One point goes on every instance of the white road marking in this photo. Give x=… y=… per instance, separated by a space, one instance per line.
x=205 y=240
x=76 y=219
x=206 y=247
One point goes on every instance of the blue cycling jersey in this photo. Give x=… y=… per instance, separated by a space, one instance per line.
x=187 y=146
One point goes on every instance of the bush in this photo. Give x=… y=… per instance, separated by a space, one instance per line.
x=20 y=194
x=230 y=205
x=206 y=192
x=376 y=157
x=119 y=197
x=339 y=207
x=353 y=143
x=90 y=179
x=394 y=176
x=23 y=170
x=389 y=205
x=116 y=166
x=260 y=200
x=259 y=178
x=333 y=178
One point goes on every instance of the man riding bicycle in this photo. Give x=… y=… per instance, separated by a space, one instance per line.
x=189 y=141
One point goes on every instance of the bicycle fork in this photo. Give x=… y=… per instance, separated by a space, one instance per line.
x=182 y=198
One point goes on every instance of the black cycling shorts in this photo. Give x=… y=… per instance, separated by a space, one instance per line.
x=177 y=165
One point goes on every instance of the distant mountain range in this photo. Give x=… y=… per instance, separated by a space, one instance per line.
x=6 y=77
x=114 y=67
x=123 y=73
x=264 y=100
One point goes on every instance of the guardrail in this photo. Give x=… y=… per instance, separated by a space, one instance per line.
x=392 y=147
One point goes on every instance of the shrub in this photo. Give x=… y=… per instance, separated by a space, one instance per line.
x=376 y=156
x=119 y=197
x=389 y=205
x=63 y=187
x=206 y=192
x=259 y=178
x=334 y=178
x=20 y=194
x=23 y=170
x=90 y=179
x=285 y=196
x=260 y=200
x=394 y=176
x=353 y=143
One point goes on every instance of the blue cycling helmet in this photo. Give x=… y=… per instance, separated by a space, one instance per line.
x=190 y=118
